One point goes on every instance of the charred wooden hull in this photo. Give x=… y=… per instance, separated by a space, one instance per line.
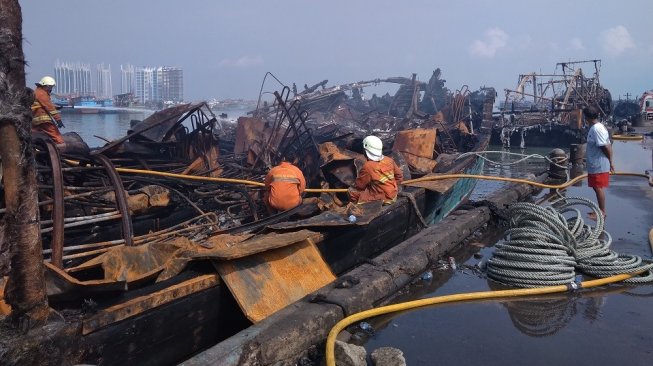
x=169 y=333
x=164 y=322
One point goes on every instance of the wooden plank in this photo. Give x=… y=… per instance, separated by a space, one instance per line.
x=141 y=304
x=267 y=282
x=440 y=186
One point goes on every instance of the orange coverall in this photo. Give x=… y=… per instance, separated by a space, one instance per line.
x=41 y=121
x=377 y=180
x=284 y=185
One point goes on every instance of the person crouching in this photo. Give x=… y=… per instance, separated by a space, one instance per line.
x=284 y=186
x=379 y=178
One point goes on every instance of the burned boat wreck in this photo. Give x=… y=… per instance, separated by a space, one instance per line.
x=550 y=114
x=156 y=245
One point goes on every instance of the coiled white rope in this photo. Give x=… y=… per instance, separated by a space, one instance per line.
x=545 y=248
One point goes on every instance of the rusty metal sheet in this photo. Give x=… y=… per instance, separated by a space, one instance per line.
x=163 y=260
x=253 y=134
x=225 y=249
x=339 y=166
x=148 y=302
x=417 y=142
x=58 y=283
x=266 y=282
x=136 y=263
x=417 y=147
x=330 y=152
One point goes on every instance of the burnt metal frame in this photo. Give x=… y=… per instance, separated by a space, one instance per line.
x=185 y=115
x=56 y=244
x=121 y=198
x=301 y=134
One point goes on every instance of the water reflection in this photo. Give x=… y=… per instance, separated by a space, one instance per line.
x=96 y=128
x=543 y=316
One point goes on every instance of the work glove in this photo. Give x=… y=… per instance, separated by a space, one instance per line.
x=60 y=124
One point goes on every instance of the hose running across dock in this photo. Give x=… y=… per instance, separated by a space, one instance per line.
x=344 y=190
x=483 y=295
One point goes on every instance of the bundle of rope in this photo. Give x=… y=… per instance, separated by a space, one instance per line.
x=547 y=246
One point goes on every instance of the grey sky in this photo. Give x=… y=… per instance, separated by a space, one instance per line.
x=226 y=47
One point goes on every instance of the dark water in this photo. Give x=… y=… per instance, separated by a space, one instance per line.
x=93 y=128
x=605 y=326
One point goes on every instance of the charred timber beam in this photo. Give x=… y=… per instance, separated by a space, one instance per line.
x=284 y=336
x=25 y=291
x=145 y=303
x=57 y=205
x=121 y=198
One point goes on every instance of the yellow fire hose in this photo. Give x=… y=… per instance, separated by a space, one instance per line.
x=344 y=190
x=628 y=137
x=484 y=295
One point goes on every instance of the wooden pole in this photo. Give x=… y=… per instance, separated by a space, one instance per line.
x=25 y=291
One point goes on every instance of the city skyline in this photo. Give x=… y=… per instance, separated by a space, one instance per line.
x=146 y=83
x=475 y=43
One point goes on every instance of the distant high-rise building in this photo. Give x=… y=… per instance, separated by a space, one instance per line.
x=127 y=79
x=73 y=78
x=159 y=84
x=144 y=84
x=104 y=86
x=172 y=84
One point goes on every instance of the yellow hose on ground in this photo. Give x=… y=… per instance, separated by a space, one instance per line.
x=484 y=295
x=628 y=137
x=344 y=190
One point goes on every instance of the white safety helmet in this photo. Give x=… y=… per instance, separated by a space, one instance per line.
x=373 y=148
x=47 y=81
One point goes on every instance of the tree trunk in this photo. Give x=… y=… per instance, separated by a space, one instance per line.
x=25 y=290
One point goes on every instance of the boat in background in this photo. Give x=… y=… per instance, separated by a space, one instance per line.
x=545 y=109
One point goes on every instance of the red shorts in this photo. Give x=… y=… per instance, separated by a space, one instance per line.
x=598 y=180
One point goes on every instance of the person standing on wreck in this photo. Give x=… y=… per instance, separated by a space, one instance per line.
x=379 y=178
x=44 y=112
x=599 y=157
x=284 y=186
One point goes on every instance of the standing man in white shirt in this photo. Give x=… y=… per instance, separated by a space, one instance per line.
x=599 y=156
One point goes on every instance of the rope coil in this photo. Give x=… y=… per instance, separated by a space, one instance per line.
x=545 y=248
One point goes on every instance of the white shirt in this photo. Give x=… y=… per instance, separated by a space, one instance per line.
x=597 y=162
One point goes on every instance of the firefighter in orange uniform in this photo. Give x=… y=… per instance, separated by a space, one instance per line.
x=284 y=186
x=44 y=112
x=379 y=178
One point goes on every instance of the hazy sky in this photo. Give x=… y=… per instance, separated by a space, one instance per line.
x=226 y=47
